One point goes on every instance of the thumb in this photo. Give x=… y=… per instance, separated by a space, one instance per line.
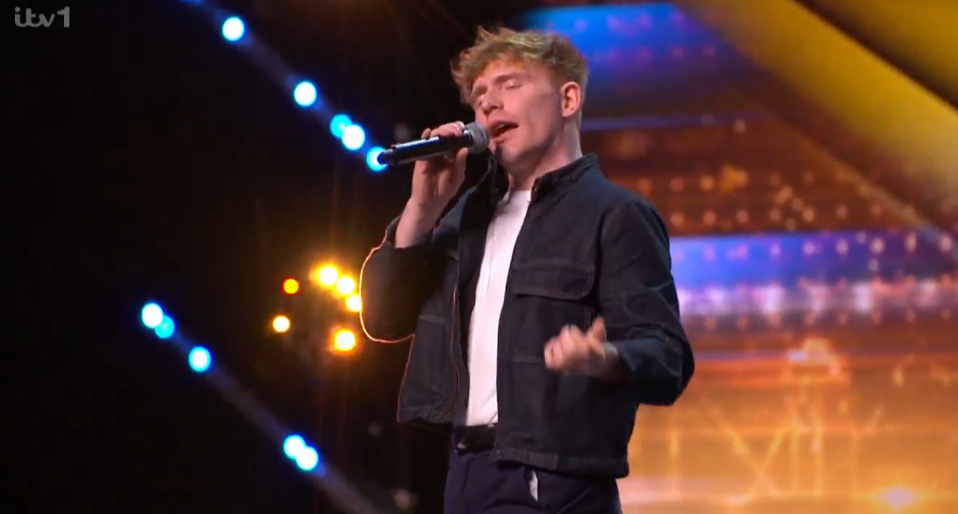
x=597 y=330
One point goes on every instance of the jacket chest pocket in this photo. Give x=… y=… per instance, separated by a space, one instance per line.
x=549 y=296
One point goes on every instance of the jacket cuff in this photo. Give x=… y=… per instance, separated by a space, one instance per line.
x=630 y=357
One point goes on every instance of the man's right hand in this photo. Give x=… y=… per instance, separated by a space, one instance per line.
x=434 y=183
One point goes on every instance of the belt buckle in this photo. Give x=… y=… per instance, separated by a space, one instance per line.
x=463 y=443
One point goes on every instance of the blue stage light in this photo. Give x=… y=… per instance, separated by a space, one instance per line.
x=305 y=94
x=166 y=328
x=233 y=29
x=200 y=359
x=307 y=459
x=372 y=159
x=151 y=315
x=293 y=445
x=354 y=137
x=338 y=125
x=305 y=456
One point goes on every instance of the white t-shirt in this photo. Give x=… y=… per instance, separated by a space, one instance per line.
x=483 y=342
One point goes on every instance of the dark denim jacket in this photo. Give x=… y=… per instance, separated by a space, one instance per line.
x=587 y=248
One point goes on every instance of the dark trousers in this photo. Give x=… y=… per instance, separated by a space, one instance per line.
x=476 y=484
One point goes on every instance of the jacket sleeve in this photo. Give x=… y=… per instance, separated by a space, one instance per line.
x=394 y=285
x=639 y=302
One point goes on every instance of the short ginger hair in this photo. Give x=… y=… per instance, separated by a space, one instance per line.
x=553 y=51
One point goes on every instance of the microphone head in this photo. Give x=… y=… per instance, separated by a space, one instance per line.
x=480 y=138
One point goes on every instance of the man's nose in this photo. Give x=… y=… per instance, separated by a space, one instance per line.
x=489 y=105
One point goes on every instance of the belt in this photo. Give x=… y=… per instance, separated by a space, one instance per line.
x=473 y=439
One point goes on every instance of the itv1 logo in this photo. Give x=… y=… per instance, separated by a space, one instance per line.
x=28 y=19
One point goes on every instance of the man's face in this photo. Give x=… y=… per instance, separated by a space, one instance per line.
x=520 y=105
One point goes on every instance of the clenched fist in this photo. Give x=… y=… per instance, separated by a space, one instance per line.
x=588 y=353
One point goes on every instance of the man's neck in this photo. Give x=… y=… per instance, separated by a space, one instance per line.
x=558 y=156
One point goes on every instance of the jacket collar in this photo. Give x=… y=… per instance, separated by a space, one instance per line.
x=495 y=183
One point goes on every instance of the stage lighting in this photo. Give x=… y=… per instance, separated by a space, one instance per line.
x=305 y=94
x=292 y=445
x=345 y=285
x=291 y=286
x=305 y=456
x=327 y=276
x=344 y=341
x=354 y=137
x=354 y=303
x=166 y=328
x=151 y=315
x=372 y=159
x=307 y=459
x=200 y=359
x=898 y=498
x=281 y=324
x=233 y=29
x=338 y=125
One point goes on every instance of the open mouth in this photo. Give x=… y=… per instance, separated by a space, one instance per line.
x=502 y=128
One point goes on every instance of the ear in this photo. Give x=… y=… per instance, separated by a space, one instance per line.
x=570 y=96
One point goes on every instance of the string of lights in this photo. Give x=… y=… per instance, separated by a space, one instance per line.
x=340 y=286
x=328 y=277
x=304 y=92
x=296 y=448
x=863 y=297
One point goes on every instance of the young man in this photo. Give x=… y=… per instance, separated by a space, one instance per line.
x=542 y=304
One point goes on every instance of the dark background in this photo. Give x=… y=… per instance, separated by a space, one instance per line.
x=146 y=159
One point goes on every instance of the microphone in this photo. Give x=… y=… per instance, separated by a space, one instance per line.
x=474 y=137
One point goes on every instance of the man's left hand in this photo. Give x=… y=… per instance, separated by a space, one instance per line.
x=573 y=351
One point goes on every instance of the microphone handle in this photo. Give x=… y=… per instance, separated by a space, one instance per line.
x=423 y=149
